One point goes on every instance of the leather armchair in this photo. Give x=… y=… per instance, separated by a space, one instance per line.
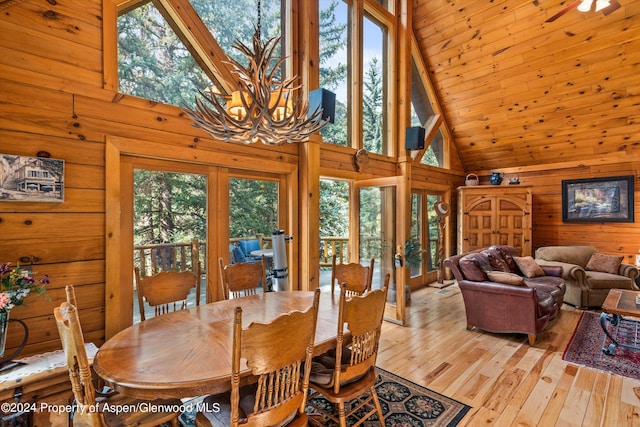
x=585 y=288
x=506 y=308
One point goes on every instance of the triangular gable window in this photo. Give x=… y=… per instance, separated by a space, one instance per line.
x=153 y=63
x=421 y=114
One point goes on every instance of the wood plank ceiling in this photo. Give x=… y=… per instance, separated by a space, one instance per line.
x=517 y=91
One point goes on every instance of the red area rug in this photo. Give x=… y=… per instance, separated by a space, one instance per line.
x=585 y=348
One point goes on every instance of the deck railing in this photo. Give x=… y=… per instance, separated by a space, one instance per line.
x=154 y=258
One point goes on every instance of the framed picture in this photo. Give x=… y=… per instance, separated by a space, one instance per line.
x=31 y=179
x=598 y=199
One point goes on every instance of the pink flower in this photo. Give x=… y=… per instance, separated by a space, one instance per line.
x=16 y=284
x=4 y=300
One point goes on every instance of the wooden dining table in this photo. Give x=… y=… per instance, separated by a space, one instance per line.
x=187 y=353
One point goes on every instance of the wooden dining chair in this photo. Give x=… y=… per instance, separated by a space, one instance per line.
x=348 y=372
x=279 y=355
x=167 y=291
x=84 y=391
x=356 y=276
x=242 y=278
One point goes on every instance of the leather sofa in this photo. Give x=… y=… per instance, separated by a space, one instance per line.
x=525 y=306
x=586 y=286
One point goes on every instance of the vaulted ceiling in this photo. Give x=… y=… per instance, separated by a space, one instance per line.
x=517 y=91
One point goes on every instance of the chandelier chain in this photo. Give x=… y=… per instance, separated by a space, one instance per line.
x=259 y=26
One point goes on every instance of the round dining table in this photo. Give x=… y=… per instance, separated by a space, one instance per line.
x=187 y=353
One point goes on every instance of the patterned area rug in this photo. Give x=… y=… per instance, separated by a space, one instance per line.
x=585 y=348
x=406 y=404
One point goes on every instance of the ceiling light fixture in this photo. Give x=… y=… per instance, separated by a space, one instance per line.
x=585 y=6
x=605 y=6
x=602 y=4
x=262 y=108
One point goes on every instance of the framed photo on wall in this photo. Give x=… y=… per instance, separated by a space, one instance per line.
x=598 y=199
x=31 y=179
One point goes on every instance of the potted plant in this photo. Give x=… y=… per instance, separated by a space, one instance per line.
x=16 y=285
x=413 y=252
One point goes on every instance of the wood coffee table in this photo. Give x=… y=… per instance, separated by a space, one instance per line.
x=624 y=331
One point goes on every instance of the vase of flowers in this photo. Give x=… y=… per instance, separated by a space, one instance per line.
x=16 y=285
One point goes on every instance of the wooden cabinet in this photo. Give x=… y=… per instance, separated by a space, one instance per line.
x=494 y=215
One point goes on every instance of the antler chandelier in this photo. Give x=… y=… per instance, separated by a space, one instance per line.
x=262 y=108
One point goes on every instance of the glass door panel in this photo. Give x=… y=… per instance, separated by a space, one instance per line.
x=253 y=217
x=334 y=226
x=424 y=239
x=377 y=238
x=169 y=226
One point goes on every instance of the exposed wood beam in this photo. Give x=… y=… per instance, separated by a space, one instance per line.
x=194 y=33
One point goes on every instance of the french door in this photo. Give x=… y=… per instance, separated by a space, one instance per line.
x=225 y=217
x=426 y=227
x=375 y=235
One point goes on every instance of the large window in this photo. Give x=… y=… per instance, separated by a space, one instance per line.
x=333 y=65
x=421 y=114
x=374 y=86
x=348 y=59
x=155 y=62
x=231 y=21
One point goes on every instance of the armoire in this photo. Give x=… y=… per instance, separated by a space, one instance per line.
x=494 y=215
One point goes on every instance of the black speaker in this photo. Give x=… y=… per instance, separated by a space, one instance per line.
x=326 y=101
x=414 y=139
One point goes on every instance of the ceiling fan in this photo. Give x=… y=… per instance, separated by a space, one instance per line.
x=604 y=6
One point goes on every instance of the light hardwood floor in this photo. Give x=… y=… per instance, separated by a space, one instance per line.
x=504 y=380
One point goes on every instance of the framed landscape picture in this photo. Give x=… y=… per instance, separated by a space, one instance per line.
x=31 y=179
x=598 y=199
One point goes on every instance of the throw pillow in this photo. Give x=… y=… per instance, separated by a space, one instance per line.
x=528 y=266
x=238 y=255
x=508 y=252
x=471 y=268
x=506 y=278
x=604 y=263
x=496 y=259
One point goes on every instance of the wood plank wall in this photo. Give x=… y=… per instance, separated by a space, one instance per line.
x=548 y=228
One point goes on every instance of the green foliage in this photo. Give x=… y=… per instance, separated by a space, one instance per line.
x=334 y=208
x=153 y=63
x=372 y=108
x=336 y=133
x=253 y=207
x=169 y=207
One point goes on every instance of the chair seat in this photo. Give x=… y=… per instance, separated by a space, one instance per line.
x=350 y=390
x=218 y=410
x=323 y=368
x=600 y=280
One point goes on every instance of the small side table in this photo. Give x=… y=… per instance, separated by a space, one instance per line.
x=623 y=332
